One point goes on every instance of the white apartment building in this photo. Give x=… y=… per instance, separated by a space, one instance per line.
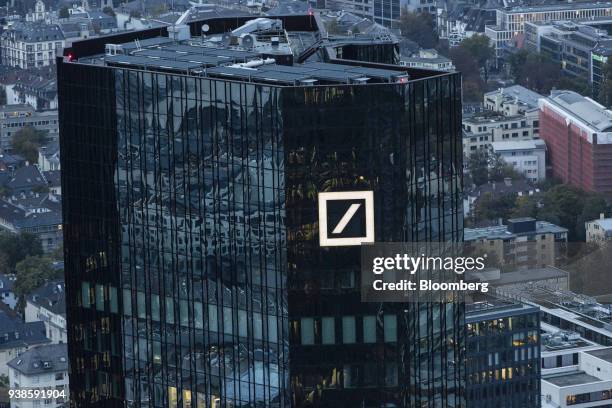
x=516 y=100
x=48 y=304
x=599 y=230
x=481 y=130
x=43 y=367
x=31 y=44
x=512 y=115
x=527 y=157
x=511 y=22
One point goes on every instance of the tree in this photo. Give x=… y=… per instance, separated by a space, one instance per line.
x=515 y=63
x=32 y=272
x=525 y=206
x=473 y=85
x=570 y=207
x=539 y=73
x=418 y=27
x=15 y=247
x=605 y=88
x=499 y=169
x=480 y=48
x=64 y=13
x=492 y=207
x=485 y=166
x=579 y=84
x=26 y=142
x=478 y=166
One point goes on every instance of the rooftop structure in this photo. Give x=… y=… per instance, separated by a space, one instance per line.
x=583 y=112
x=572 y=311
x=41 y=360
x=503 y=99
x=578 y=135
x=259 y=53
x=506 y=232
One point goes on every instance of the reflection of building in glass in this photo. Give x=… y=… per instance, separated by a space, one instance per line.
x=502 y=353
x=195 y=274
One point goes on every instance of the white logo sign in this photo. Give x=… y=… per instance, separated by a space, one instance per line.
x=346 y=218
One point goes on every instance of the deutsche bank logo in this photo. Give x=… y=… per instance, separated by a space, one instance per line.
x=346 y=218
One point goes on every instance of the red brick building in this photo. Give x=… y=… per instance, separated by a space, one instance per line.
x=578 y=134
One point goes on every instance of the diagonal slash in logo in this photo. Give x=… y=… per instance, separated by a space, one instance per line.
x=346 y=218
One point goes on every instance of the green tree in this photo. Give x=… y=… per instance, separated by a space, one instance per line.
x=570 y=207
x=478 y=166
x=579 y=84
x=525 y=206
x=64 y=13
x=32 y=272
x=26 y=142
x=539 y=73
x=418 y=27
x=491 y=207
x=480 y=48
x=605 y=88
x=473 y=85
x=499 y=169
x=15 y=247
x=515 y=63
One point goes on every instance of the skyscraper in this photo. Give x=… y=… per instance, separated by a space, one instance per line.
x=196 y=271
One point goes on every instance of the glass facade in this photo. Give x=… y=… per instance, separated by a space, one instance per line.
x=401 y=142
x=503 y=359
x=194 y=273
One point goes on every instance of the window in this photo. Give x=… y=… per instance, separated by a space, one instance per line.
x=369 y=329
x=348 y=329
x=85 y=294
x=307 y=330
x=390 y=326
x=328 y=330
x=59 y=376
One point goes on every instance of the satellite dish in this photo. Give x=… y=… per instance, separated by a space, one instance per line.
x=205 y=28
x=248 y=41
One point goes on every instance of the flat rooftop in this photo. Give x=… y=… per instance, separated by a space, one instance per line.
x=218 y=60
x=493 y=307
x=603 y=354
x=596 y=116
x=568 y=380
x=530 y=275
